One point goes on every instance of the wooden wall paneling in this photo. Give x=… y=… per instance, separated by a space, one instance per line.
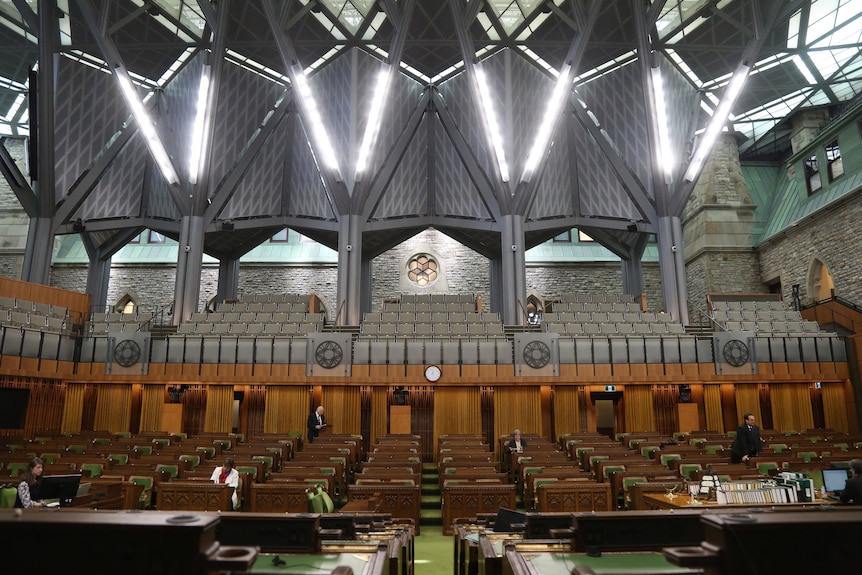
x=517 y=408
x=457 y=410
x=286 y=408
x=152 y=398
x=791 y=407
x=113 y=407
x=73 y=408
x=566 y=410
x=219 y=409
x=194 y=402
x=712 y=408
x=835 y=406
x=638 y=403
x=639 y=370
x=342 y=408
x=664 y=400
x=379 y=413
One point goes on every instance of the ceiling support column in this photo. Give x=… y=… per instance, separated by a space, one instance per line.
x=189 y=266
x=633 y=281
x=98 y=275
x=228 y=279
x=514 y=273
x=349 y=270
x=672 y=267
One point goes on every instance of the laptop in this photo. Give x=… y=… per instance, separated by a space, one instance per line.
x=834 y=481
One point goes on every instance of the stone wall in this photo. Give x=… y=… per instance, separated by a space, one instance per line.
x=835 y=240
x=14 y=222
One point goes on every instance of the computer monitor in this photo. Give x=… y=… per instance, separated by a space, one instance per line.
x=506 y=518
x=62 y=487
x=834 y=480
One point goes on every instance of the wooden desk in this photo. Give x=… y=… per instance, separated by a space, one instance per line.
x=373 y=564
x=653 y=563
x=682 y=501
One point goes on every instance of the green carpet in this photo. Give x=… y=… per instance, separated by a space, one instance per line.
x=434 y=552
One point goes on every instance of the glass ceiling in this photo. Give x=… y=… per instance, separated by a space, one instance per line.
x=824 y=46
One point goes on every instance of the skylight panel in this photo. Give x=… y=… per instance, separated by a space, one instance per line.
x=375 y=25
x=509 y=13
x=684 y=68
x=487 y=26
x=328 y=25
x=675 y=13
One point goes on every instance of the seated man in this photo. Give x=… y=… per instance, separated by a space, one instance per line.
x=852 y=492
x=228 y=475
x=516 y=444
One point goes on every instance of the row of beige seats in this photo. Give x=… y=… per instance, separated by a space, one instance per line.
x=599 y=297
x=32 y=320
x=431 y=317
x=270 y=307
x=773 y=327
x=756 y=315
x=606 y=317
x=588 y=306
x=771 y=305
x=394 y=306
x=239 y=328
x=23 y=305
x=118 y=327
x=255 y=317
x=432 y=328
x=615 y=328
x=120 y=317
x=435 y=298
x=273 y=297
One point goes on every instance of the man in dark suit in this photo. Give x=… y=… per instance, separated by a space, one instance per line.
x=747 y=443
x=316 y=422
x=853 y=488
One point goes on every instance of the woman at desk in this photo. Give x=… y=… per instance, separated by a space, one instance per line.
x=28 y=489
x=227 y=474
x=516 y=444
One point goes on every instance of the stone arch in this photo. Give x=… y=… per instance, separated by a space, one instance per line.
x=820 y=285
x=324 y=304
x=534 y=307
x=126 y=303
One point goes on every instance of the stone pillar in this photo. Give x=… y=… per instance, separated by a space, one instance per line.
x=718 y=222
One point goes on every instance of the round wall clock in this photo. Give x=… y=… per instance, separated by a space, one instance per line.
x=433 y=372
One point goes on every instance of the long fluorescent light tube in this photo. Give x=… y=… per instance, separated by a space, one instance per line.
x=160 y=155
x=317 y=129
x=373 y=125
x=666 y=159
x=716 y=124
x=196 y=157
x=552 y=111
x=493 y=125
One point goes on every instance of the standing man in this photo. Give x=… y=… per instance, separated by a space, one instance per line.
x=315 y=423
x=747 y=443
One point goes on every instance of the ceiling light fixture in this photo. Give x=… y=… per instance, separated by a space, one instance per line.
x=666 y=159
x=717 y=123
x=494 y=132
x=316 y=123
x=145 y=124
x=373 y=125
x=549 y=120
x=196 y=158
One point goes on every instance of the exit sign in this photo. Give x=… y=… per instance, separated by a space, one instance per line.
x=610 y=388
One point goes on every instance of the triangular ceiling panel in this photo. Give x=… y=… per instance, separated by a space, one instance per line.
x=407 y=193
x=180 y=108
x=89 y=110
x=600 y=191
x=682 y=101
x=306 y=194
x=555 y=196
x=334 y=90
x=119 y=192
x=244 y=99
x=617 y=100
x=454 y=194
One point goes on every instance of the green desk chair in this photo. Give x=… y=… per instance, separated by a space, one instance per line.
x=315 y=503
x=267 y=459
x=666 y=458
x=17 y=469
x=713 y=449
x=779 y=447
x=41 y=440
x=627 y=483
x=619 y=436
x=101 y=441
x=686 y=469
x=608 y=469
x=696 y=441
x=161 y=442
x=680 y=435
x=840 y=446
x=648 y=450
x=144 y=449
x=77 y=448
x=120 y=458
x=209 y=452
x=634 y=443
x=7 y=497
x=225 y=443
x=328 y=505
x=179 y=436
x=147 y=494
x=172 y=470
x=123 y=434
x=858 y=445
x=251 y=471
x=240 y=437
x=594 y=459
x=91 y=470
x=807 y=456
x=49 y=458
x=731 y=434
x=764 y=467
x=790 y=433
x=192 y=460
x=814 y=439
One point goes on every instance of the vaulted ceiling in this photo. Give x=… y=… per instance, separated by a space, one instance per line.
x=433 y=162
